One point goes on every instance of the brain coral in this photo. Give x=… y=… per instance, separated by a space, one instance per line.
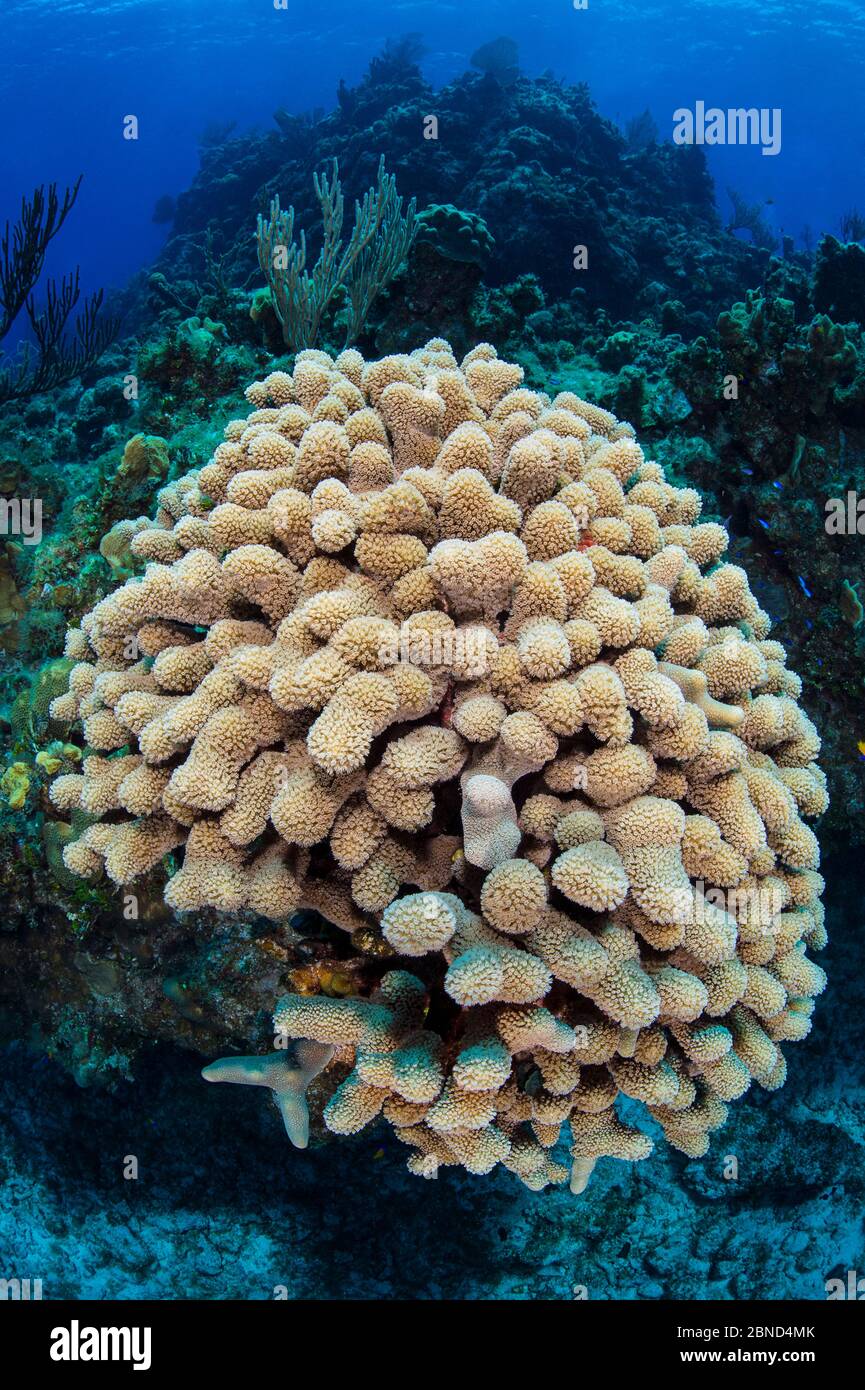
x=454 y=664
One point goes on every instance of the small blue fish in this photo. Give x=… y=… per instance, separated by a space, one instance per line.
x=804 y=587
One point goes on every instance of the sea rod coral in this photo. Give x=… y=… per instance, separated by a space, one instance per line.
x=452 y=663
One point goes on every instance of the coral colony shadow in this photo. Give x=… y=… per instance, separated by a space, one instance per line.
x=403 y=712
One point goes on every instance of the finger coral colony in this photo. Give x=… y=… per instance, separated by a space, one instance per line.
x=451 y=663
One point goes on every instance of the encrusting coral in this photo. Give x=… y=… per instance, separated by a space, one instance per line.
x=453 y=664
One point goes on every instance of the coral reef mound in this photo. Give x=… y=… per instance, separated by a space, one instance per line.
x=451 y=663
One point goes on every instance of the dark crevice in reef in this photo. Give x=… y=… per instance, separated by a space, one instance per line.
x=223 y=1207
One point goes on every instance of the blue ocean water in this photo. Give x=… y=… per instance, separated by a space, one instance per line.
x=73 y=69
